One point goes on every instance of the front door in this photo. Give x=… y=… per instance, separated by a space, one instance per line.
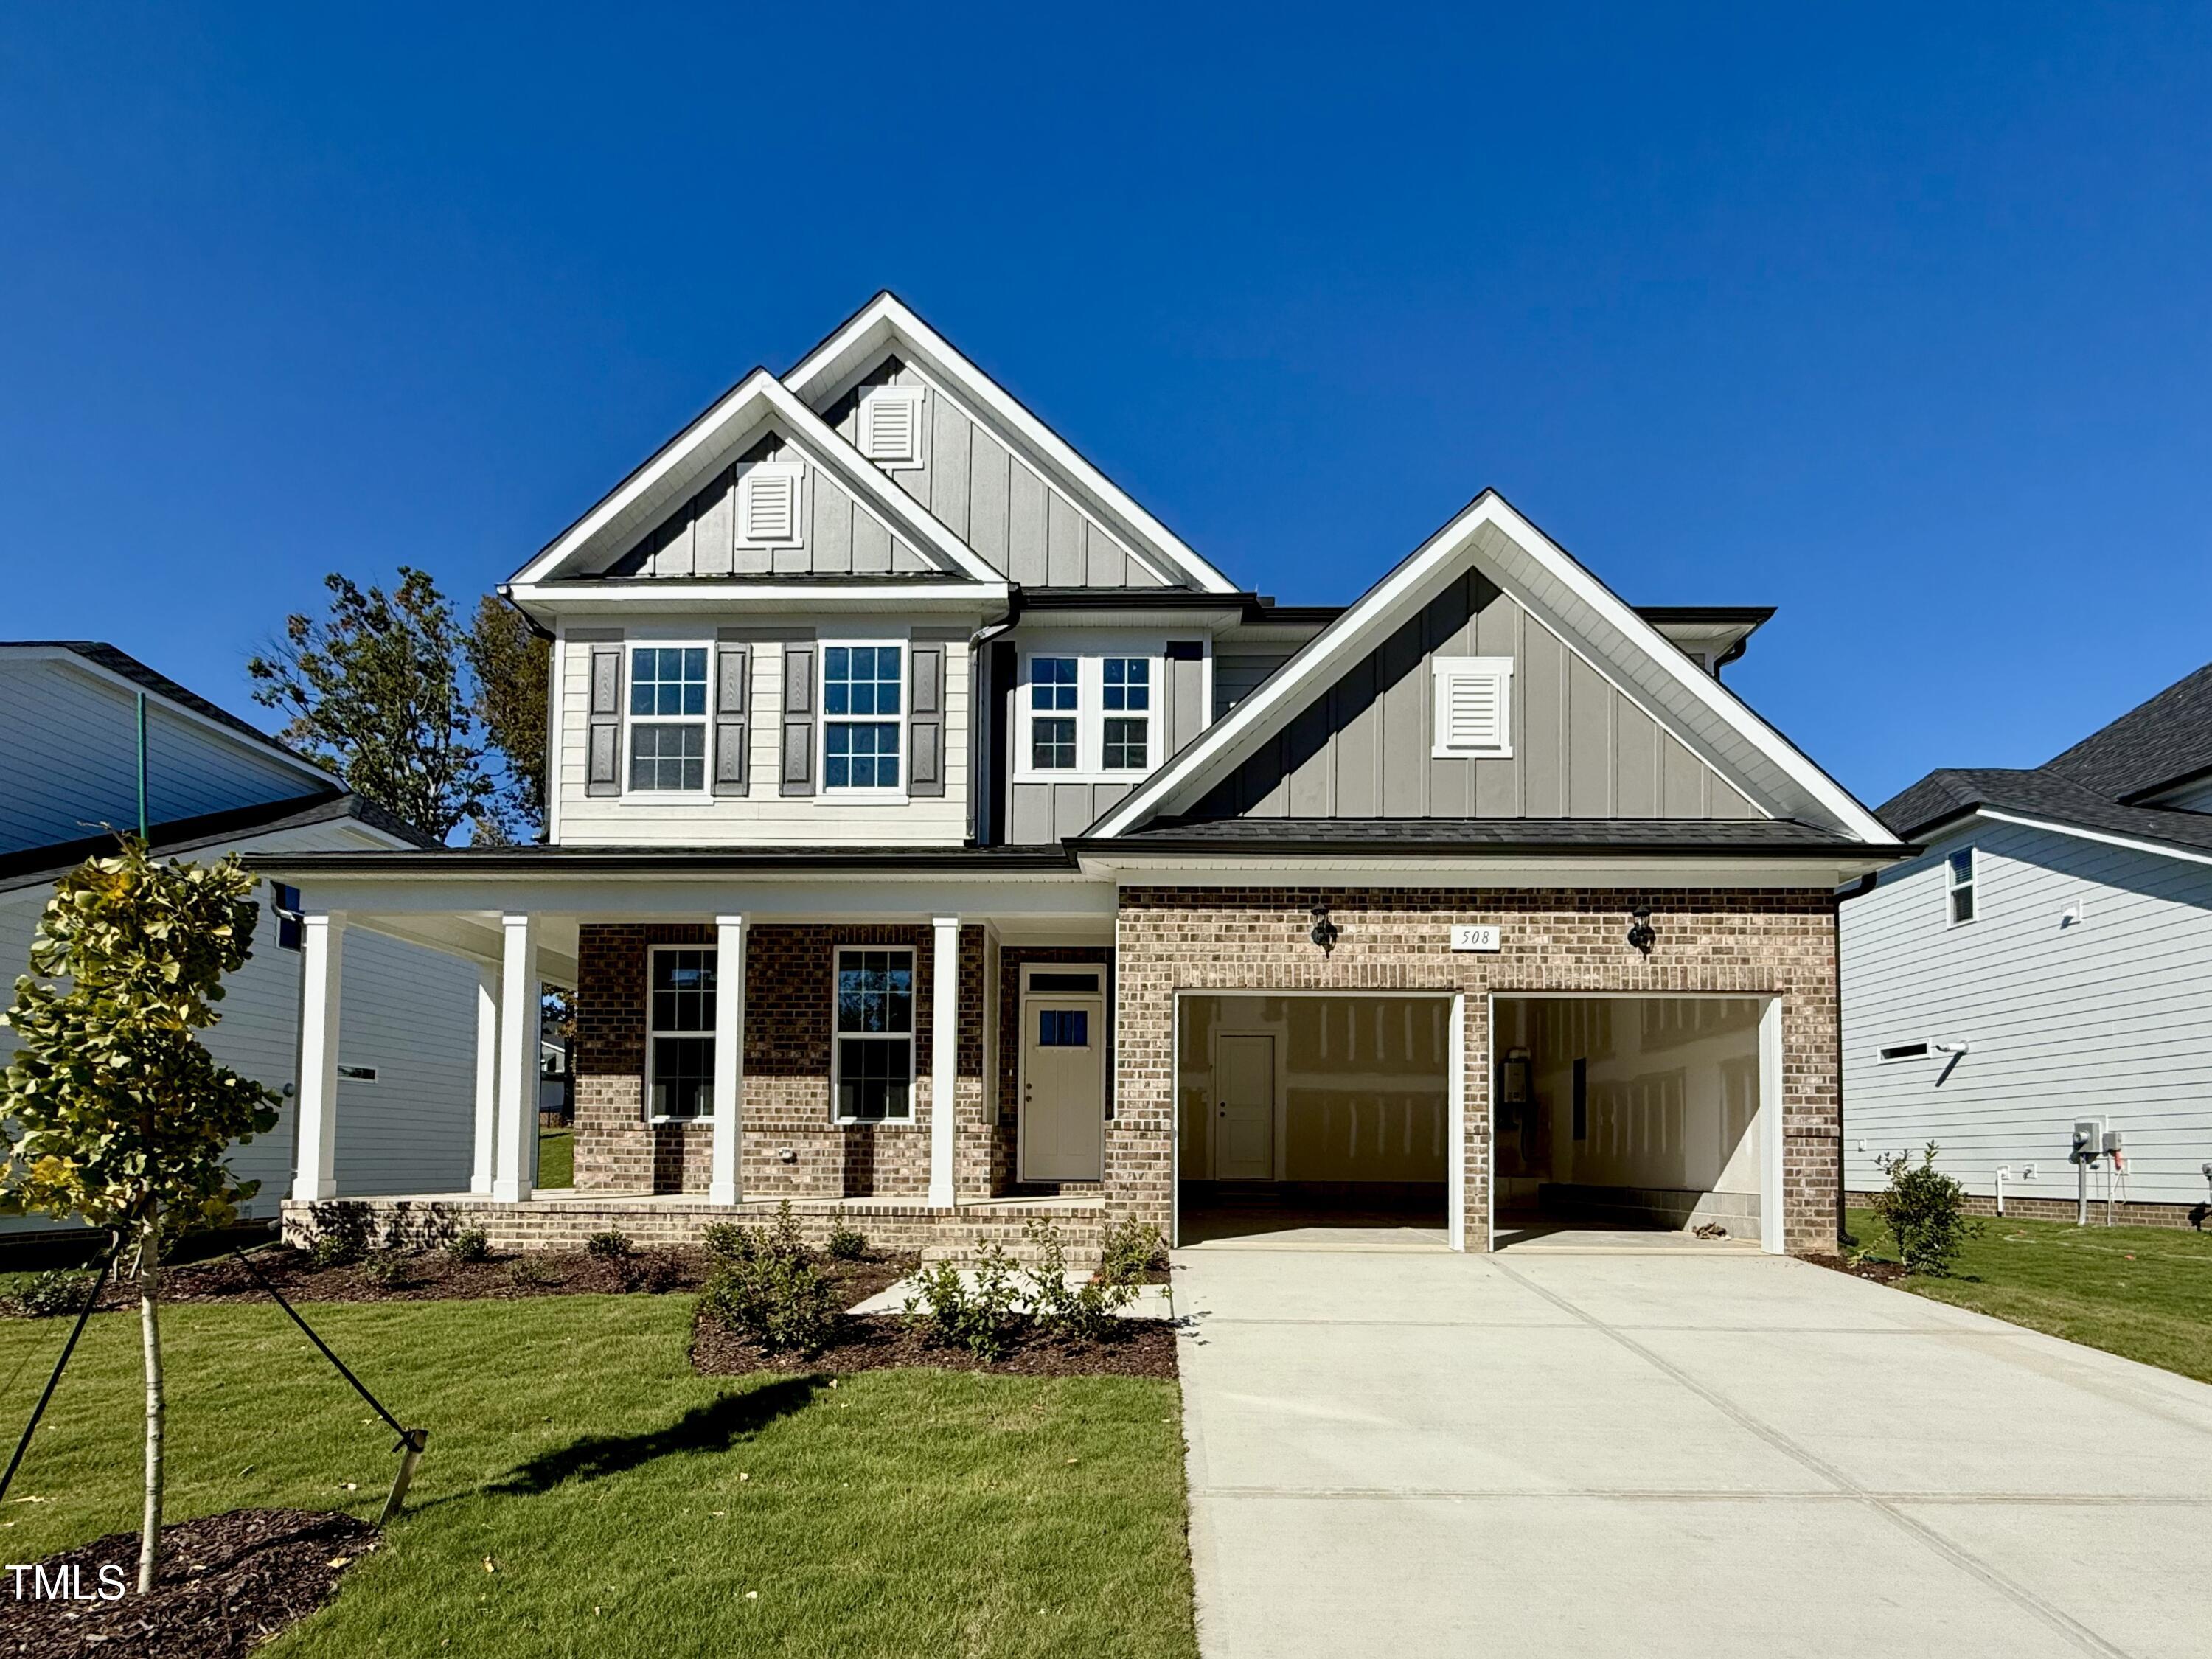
x=1244 y=1109
x=1063 y=1083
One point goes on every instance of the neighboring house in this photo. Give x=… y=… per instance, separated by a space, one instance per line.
x=68 y=769
x=934 y=832
x=2047 y=961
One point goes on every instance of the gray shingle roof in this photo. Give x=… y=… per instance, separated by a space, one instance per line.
x=36 y=866
x=2160 y=742
x=1414 y=836
x=2040 y=793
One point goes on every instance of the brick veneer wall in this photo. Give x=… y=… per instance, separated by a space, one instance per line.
x=1765 y=941
x=2127 y=1212
x=787 y=1107
x=1005 y=1143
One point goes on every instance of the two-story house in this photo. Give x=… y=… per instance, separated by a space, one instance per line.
x=935 y=834
x=87 y=733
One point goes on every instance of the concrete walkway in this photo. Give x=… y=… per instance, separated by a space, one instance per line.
x=1670 y=1453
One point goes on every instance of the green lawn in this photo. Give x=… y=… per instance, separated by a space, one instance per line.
x=897 y=1512
x=2145 y=1292
x=556 y=1157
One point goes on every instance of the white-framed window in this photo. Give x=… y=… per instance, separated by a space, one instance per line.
x=668 y=719
x=890 y=425
x=1958 y=887
x=871 y=1040
x=679 y=1032
x=863 y=716
x=768 y=504
x=1055 y=704
x=1087 y=717
x=1125 y=729
x=1474 y=707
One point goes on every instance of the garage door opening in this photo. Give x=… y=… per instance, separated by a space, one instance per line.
x=1313 y=1119
x=1627 y=1113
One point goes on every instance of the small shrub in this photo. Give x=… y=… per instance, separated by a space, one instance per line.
x=1130 y=1251
x=980 y=1317
x=783 y=1302
x=59 y=1291
x=784 y=1238
x=727 y=1241
x=473 y=1245
x=655 y=1272
x=389 y=1269
x=532 y=1272
x=1074 y=1313
x=845 y=1243
x=609 y=1246
x=337 y=1247
x=1925 y=1212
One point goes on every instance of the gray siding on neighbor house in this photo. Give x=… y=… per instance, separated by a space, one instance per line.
x=2110 y=1016
x=1581 y=747
x=2190 y=798
x=68 y=749
x=842 y=537
x=1045 y=812
x=973 y=482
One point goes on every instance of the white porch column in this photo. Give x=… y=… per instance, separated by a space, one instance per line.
x=480 y=1172
x=729 y=1057
x=512 y=1160
x=322 y=948
x=945 y=1054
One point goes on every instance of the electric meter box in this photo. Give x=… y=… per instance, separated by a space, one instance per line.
x=2115 y=1141
x=2088 y=1138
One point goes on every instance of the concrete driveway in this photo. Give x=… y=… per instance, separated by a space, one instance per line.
x=1703 y=1453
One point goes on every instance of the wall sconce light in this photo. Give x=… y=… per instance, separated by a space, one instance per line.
x=1323 y=932
x=1639 y=931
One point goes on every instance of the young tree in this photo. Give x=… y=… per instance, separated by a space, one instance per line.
x=376 y=692
x=112 y=1111
x=509 y=661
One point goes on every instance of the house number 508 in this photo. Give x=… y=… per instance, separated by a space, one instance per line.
x=1474 y=937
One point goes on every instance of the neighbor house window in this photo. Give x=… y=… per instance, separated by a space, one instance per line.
x=1128 y=700
x=668 y=717
x=1052 y=713
x=1958 y=880
x=680 y=1031
x=873 y=1058
x=861 y=705
x=285 y=901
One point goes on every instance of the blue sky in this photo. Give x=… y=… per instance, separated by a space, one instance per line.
x=1898 y=322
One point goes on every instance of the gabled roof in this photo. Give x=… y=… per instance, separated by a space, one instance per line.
x=679 y=468
x=2166 y=741
x=32 y=866
x=2042 y=797
x=1699 y=710
x=887 y=322
x=123 y=665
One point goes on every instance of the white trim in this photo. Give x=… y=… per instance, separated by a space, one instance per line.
x=1444 y=671
x=653 y=954
x=515 y=1162
x=915 y=456
x=1232 y=738
x=910 y=1037
x=944 y=1054
x=704 y=721
x=483 y=1163
x=1090 y=712
x=619 y=599
x=751 y=478
x=886 y=319
x=682 y=466
x=1456 y=1132
x=824 y=719
x=726 y=1166
x=1771 y=1138
x=322 y=961
x=1953 y=887
x=2108 y=837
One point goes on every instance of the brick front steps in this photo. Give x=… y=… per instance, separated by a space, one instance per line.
x=563 y=1221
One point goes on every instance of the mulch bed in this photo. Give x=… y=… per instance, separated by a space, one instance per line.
x=1882 y=1273
x=867 y=1342
x=228 y=1583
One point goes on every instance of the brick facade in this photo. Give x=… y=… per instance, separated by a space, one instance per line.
x=1744 y=942
x=791 y=1146
x=2127 y=1212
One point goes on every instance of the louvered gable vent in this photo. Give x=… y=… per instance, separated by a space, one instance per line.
x=767 y=505
x=1474 y=706
x=890 y=425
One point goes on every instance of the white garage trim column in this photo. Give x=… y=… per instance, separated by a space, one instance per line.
x=944 y=1055
x=512 y=1162
x=1770 y=1128
x=729 y=1058
x=487 y=1096
x=322 y=949
x=1456 y=1128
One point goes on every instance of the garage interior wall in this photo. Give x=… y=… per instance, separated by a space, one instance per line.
x=1671 y=1103
x=1360 y=1084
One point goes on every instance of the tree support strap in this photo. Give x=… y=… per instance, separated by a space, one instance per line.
x=410 y=1442
x=91 y=1296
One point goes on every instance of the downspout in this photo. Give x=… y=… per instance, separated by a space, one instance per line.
x=984 y=712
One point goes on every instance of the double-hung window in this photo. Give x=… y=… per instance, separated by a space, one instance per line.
x=1052 y=707
x=680 y=1031
x=862 y=701
x=668 y=717
x=1129 y=699
x=873 y=1056
x=1959 y=885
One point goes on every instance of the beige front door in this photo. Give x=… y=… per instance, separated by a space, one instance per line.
x=1062 y=1126
x=1244 y=1109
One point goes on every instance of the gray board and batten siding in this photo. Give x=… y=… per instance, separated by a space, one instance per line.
x=1581 y=748
x=970 y=479
x=841 y=537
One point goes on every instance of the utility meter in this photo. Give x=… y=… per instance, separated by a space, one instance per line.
x=2115 y=1141
x=2088 y=1140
